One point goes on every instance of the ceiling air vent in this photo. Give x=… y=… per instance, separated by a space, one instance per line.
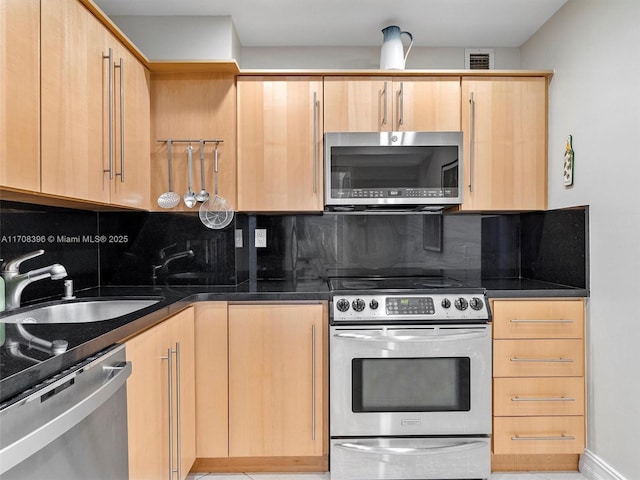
x=478 y=58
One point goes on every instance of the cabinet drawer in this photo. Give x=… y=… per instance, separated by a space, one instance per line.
x=538 y=318
x=538 y=358
x=538 y=435
x=538 y=396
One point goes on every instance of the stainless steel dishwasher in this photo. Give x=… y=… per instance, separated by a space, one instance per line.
x=72 y=426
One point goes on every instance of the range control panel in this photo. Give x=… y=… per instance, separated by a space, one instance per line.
x=428 y=308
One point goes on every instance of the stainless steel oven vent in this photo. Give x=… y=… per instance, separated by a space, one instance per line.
x=479 y=58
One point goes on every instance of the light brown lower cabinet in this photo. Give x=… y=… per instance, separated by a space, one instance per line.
x=275 y=390
x=161 y=400
x=538 y=385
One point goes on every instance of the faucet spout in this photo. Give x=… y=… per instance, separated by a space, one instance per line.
x=15 y=282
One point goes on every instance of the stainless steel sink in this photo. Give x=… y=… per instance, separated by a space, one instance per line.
x=80 y=311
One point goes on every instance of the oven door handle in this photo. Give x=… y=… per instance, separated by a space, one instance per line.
x=439 y=449
x=463 y=335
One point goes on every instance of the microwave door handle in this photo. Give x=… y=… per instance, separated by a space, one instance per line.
x=411 y=338
x=439 y=449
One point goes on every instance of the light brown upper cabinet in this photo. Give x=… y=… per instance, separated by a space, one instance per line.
x=504 y=120
x=20 y=94
x=279 y=144
x=371 y=104
x=95 y=111
x=193 y=106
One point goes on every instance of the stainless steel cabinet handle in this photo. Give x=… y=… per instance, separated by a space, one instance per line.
x=543 y=399
x=362 y=448
x=472 y=138
x=542 y=360
x=121 y=67
x=384 y=104
x=315 y=141
x=313 y=382
x=553 y=437
x=401 y=104
x=169 y=359
x=524 y=320
x=15 y=453
x=111 y=108
x=178 y=411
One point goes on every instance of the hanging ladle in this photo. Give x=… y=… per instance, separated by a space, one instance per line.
x=189 y=196
x=202 y=195
x=170 y=198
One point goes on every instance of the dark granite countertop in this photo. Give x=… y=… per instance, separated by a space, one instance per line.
x=86 y=339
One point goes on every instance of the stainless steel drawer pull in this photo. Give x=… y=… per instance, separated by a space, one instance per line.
x=169 y=359
x=313 y=382
x=542 y=360
x=545 y=438
x=543 y=399
x=316 y=109
x=121 y=67
x=524 y=320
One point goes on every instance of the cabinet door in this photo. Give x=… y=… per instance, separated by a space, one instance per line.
x=358 y=104
x=279 y=144
x=148 y=405
x=20 y=94
x=371 y=104
x=193 y=105
x=212 y=407
x=181 y=338
x=275 y=380
x=130 y=185
x=74 y=102
x=426 y=104
x=504 y=121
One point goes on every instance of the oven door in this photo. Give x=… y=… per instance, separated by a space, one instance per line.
x=410 y=380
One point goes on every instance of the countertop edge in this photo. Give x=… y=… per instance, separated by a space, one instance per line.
x=132 y=325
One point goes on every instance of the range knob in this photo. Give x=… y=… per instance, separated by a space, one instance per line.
x=373 y=304
x=461 y=303
x=476 y=303
x=342 y=305
x=446 y=303
x=358 y=305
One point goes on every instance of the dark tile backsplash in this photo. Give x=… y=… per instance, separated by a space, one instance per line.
x=140 y=248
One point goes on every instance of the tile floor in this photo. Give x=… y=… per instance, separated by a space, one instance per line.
x=326 y=476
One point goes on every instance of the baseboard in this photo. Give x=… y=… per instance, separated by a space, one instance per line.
x=594 y=468
x=261 y=464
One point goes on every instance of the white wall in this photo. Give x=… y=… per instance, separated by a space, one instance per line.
x=593 y=46
x=216 y=38
x=182 y=37
x=420 y=58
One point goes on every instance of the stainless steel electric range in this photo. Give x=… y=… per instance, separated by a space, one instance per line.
x=410 y=379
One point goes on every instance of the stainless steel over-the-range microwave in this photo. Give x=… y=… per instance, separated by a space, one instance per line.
x=393 y=169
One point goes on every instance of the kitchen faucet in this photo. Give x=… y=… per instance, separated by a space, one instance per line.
x=15 y=282
x=166 y=260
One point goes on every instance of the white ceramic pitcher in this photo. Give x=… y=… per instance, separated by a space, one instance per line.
x=392 y=55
